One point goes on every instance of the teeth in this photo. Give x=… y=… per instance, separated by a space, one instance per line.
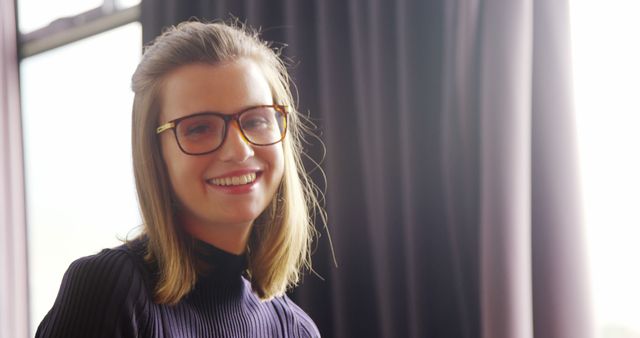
x=235 y=180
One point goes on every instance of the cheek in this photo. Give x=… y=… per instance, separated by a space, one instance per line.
x=183 y=171
x=278 y=165
x=186 y=173
x=273 y=157
x=171 y=163
x=175 y=174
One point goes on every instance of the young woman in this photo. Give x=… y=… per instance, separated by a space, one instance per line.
x=224 y=200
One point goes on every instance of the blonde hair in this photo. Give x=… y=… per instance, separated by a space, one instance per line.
x=279 y=243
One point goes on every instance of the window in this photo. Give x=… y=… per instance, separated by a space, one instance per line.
x=607 y=74
x=76 y=111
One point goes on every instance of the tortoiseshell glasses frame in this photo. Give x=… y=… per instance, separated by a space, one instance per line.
x=205 y=132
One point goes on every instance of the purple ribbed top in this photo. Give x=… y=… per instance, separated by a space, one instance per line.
x=110 y=295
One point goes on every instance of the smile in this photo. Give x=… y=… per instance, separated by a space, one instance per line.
x=233 y=180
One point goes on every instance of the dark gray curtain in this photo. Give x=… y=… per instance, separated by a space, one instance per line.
x=450 y=162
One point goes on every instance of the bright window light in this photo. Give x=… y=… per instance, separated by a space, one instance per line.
x=76 y=109
x=606 y=65
x=34 y=14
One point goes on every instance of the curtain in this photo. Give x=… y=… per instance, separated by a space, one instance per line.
x=13 y=252
x=450 y=162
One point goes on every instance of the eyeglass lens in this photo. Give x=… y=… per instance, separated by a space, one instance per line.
x=204 y=133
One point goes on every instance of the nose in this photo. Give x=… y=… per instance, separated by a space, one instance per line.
x=235 y=147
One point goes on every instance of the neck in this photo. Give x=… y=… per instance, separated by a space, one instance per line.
x=231 y=238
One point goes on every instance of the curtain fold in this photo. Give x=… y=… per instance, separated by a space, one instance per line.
x=505 y=167
x=449 y=161
x=13 y=246
x=561 y=305
x=460 y=149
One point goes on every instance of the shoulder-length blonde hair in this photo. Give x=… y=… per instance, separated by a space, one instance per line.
x=279 y=243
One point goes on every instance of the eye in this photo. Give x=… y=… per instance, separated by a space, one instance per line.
x=255 y=123
x=258 y=119
x=197 y=129
x=201 y=127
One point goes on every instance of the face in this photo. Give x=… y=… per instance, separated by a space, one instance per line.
x=207 y=203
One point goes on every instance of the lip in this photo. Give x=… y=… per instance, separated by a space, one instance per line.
x=236 y=189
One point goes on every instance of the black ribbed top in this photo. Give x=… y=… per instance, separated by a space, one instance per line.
x=111 y=295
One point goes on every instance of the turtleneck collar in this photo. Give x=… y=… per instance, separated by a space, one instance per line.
x=213 y=262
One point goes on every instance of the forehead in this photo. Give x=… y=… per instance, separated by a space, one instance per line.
x=226 y=88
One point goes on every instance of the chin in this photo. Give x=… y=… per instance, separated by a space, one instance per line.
x=237 y=218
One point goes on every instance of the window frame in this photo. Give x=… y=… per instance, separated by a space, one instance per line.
x=15 y=47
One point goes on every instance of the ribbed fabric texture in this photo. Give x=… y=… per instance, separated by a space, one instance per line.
x=110 y=295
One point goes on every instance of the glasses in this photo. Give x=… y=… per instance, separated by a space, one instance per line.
x=204 y=133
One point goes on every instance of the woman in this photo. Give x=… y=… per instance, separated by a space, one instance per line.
x=224 y=200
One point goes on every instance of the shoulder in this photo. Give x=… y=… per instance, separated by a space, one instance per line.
x=293 y=316
x=99 y=294
x=118 y=258
x=108 y=272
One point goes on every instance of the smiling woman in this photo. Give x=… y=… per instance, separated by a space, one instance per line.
x=221 y=214
x=224 y=200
